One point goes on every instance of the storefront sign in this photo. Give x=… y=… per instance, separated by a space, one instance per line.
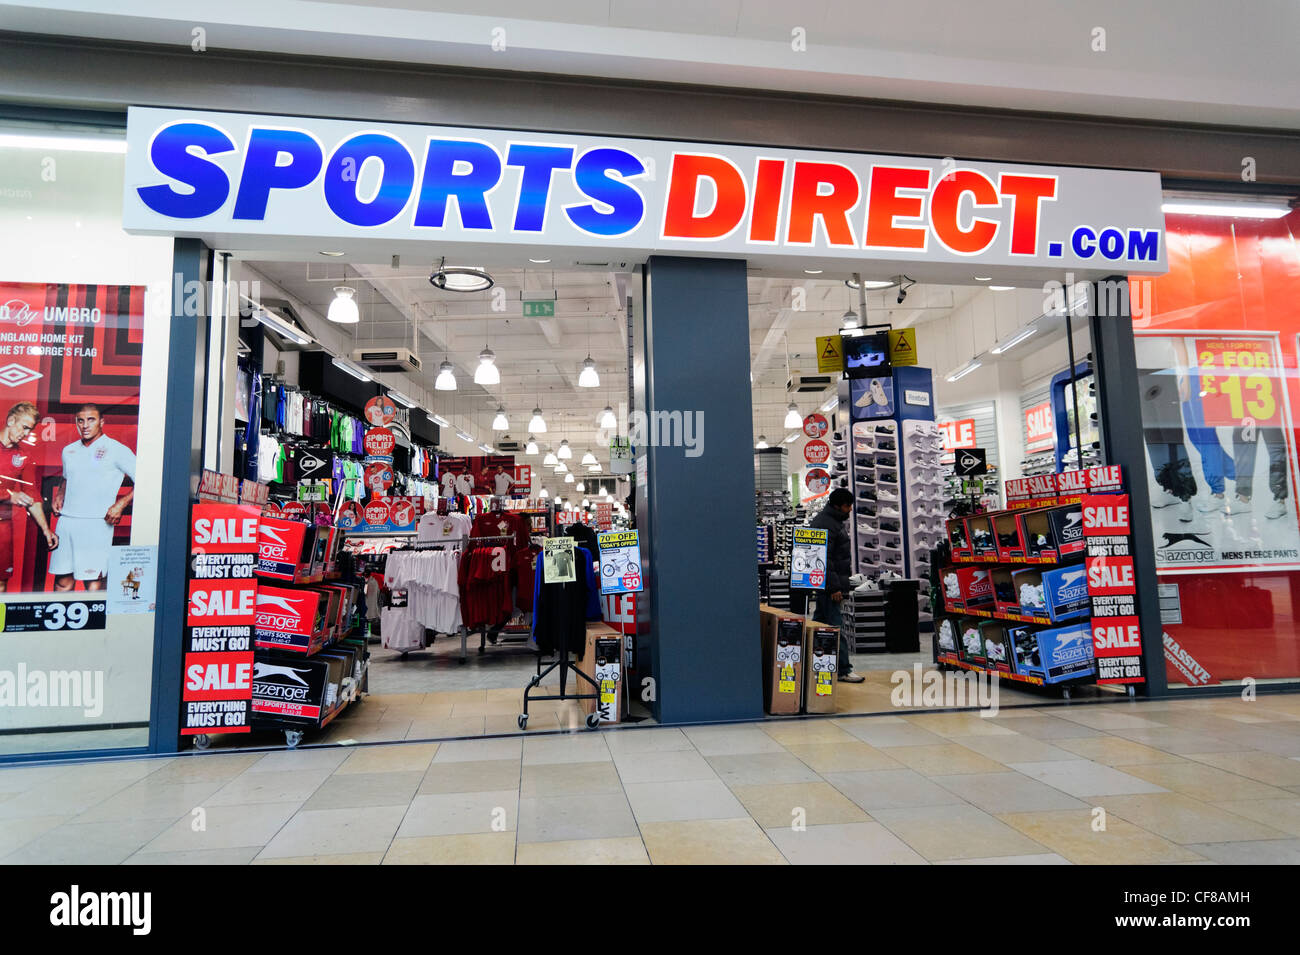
x=267 y=177
x=1071 y=486
x=808 y=558
x=215 y=486
x=216 y=692
x=1040 y=429
x=902 y=346
x=620 y=562
x=957 y=434
x=1112 y=588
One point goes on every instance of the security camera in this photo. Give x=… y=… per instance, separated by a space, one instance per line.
x=902 y=294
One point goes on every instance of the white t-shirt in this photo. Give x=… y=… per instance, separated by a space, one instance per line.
x=94 y=474
x=448 y=484
x=465 y=484
x=503 y=482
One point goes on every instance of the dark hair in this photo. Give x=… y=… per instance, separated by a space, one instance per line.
x=839 y=497
x=90 y=404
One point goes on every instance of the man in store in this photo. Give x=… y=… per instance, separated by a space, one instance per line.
x=16 y=485
x=94 y=468
x=832 y=519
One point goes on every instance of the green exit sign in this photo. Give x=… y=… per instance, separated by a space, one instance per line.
x=539 y=309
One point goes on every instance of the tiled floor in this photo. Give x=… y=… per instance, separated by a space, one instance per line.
x=1190 y=781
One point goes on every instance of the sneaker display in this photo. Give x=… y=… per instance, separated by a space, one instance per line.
x=1213 y=503
x=1164 y=499
x=1276 y=510
x=1238 y=505
x=1185 y=514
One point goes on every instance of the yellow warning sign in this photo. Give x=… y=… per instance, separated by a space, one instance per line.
x=830 y=355
x=902 y=346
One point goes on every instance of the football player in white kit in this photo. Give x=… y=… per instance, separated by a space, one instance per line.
x=94 y=468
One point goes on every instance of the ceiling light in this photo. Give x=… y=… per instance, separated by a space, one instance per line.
x=593 y=468
x=464 y=436
x=460 y=278
x=565 y=451
x=439 y=420
x=580 y=487
x=965 y=370
x=983 y=278
x=1014 y=340
x=793 y=419
x=585 y=501
x=531 y=447
x=561 y=468
x=607 y=419
x=343 y=310
x=332 y=255
x=831 y=405
x=539 y=261
x=762 y=442
x=1234 y=207
x=487 y=448
x=568 y=479
x=550 y=459
x=446 y=380
x=353 y=370
x=588 y=458
x=487 y=372
x=791 y=438
x=812 y=271
x=401 y=399
x=1001 y=288
x=499 y=423
x=588 y=378
x=84 y=144
x=537 y=424
x=281 y=327
x=543 y=493
x=849 y=319
x=868 y=284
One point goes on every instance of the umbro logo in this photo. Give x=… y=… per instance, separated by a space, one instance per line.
x=14 y=375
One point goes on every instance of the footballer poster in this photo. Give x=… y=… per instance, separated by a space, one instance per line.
x=70 y=358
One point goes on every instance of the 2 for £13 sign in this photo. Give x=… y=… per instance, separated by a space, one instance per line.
x=1240 y=381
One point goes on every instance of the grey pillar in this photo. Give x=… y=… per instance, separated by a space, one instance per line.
x=696 y=513
x=1119 y=419
x=181 y=439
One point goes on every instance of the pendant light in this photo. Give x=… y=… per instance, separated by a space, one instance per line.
x=561 y=467
x=500 y=423
x=550 y=460
x=588 y=378
x=588 y=458
x=762 y=443
x=531 y=447
x=568 y=479
x=607 y=419
x=543 y=493
x=581 y=487
x=446 y=380
x=537 y=424
x=594 y=468
x=487 y=372
x=343 y=310
x=585 y=503
x=565 y=452
x=793 y=419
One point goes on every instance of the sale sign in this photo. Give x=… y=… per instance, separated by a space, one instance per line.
x=221 y=601
x=1239 y=380
x=1112 y=586
x=1040 y=430
x=958 y=434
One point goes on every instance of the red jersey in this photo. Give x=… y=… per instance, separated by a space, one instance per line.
x=15 y=475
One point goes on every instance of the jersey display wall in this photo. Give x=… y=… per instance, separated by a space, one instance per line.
x=1217 y=356
x=70 y=360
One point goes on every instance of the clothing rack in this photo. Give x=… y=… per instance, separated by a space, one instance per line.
x=565 y=665
x=487 y=633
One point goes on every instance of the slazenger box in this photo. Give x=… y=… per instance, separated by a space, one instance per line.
x=288 y=689
x=283 y=548
x=1010 y=537
x=970 y=640
x=997 y=647
x=1066 y=590
x=1030 y=604
x=1024 y=651
x=1066 y=652
x=820 y=674
x=945 y=631
x=983 y=542
x=971 y=586
x=1067 y=531
x=1036 y=532
x=958 y=538
x=1005 y=597
x=288 y=619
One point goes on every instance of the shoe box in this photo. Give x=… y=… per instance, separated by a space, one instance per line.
x=946 y=635
x=292 y=619
x=1053 y=533
x=1065 y=653
x=997 y=645
x=959 y=538
x=1025 y=659
x=983 y=542
x=1059 y=594
x=970 y=642
x=1009 y=535
x=783 y=639
x=967 y=588
x=821 y=669
x=1006 y=598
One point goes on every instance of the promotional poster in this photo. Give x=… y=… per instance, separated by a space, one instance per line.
x=620 y=562
x=481 y=474
x=69 y=396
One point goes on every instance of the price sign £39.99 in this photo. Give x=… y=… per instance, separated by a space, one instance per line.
x=52 y=615
x=808 y=559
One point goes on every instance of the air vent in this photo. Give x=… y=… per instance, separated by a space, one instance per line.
x=387 y=359
x=511 y=447
x=592 y=265
x=807 y=384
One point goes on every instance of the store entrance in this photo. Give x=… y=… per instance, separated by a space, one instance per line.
x=910 y=404
x=433 y=427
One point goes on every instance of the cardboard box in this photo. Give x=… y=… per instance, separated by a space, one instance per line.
x=289 y=619
x=602 y=660
x=967 y=588
x=1057 y=594
x=983 y=542
x=1006 y=598
x=958 y=538
x=997 y=646
x=284 y=549
x=783 y=638
x=1009 y=535
x=1067 y=531
x=1024 y=652
x=946 y=636
x=821 y=672
x=289 y=689
x=1066 y=652
x=970 y=641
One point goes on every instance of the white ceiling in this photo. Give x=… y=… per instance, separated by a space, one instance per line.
x=1203 y=61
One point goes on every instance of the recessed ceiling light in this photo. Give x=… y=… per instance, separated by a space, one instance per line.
x=332 y=255
x=812 y=271
x=983 y=278
x=869 y=283
x=539 y=261
x=1001 y=288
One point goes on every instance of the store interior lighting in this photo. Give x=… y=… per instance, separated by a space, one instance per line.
x=594 y=468
x=460 y=278
x=1014 y=340
x=487 y=372
x=607 y=419
x=565 y=452
x=580 y=487
x=589 y=378
x=791 y=438
x=282 y=328
x=531 y=447
x=465 y=436
x=82 y=144
x=568 y=479
x=762 y=444
x=849 y=319
x=793 y=419
x=1233 y=207
x=439 y=420
x=343 y=310
x=831 y=405
x=354 y=370
x=869 y=284
x=550 y=460
x=965 y=370
x=543 y=493
x=537 y=424
x=401 y=399
x=588 y=458
x=500 y=422
x=446 y=380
